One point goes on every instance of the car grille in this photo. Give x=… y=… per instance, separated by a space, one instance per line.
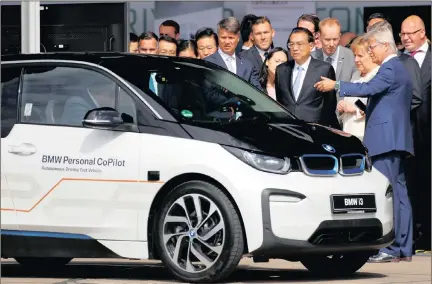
x=329 y=165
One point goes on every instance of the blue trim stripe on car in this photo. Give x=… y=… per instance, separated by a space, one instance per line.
x=45 y=234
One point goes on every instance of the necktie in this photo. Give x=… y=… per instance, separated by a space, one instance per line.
x=412 y=53
x=296 y=85
x=330 y=60
x=152 y=85
x=265 y=56
x=230 y=61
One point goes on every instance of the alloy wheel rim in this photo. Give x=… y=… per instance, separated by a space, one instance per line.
x=194 y=233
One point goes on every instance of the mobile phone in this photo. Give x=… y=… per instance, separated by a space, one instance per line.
x=360 y=105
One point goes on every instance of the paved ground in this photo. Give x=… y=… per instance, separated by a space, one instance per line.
x=276 y=271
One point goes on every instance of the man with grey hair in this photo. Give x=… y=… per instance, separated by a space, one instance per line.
x=228 y=37
x=412 y=164
x=412 y=67
x=388 y=133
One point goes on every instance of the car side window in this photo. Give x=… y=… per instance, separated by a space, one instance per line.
x=10 y=81
x=125 y=105
x=180 y=96
x=57 y=95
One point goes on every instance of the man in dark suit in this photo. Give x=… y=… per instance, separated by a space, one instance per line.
x=262 y=36
x=388 y=134
x=418 y=48
x=294 y=82
x=228 y=37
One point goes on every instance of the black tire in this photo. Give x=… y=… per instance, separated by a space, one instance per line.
x=42 y=261
x=232 y=249
x=336 y=266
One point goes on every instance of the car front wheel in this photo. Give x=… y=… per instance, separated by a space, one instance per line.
x=200 y=237
x=336 y=265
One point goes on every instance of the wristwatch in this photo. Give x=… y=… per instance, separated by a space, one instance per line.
x=337 y=85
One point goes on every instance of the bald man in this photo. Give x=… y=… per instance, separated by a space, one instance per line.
x=414 y=40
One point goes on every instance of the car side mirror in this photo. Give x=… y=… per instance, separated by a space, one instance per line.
x=103 y=118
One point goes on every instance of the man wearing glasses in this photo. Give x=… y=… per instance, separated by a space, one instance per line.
x=417 y=46
x=295 y=78
x=388 y=134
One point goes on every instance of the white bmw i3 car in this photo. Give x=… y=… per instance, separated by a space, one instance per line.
x=112 y=155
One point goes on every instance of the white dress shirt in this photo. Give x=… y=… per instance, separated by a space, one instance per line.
x=230 y=61
x=305 y=66
x=334 y=57
x=261 y=53
x=420 y=56
x=388 y=58
x=155 y=84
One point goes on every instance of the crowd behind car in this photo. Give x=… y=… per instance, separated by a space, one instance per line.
x=305 y=77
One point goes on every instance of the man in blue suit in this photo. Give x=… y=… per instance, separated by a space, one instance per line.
x=388 y=133
x=228 y=37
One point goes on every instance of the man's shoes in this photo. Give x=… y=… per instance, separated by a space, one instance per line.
x=382 y=257
x=406 y=258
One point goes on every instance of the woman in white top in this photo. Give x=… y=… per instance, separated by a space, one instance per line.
x=276 y=56
x=352 y=117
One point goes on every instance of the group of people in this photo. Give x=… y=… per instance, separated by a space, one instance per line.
x=363 y=85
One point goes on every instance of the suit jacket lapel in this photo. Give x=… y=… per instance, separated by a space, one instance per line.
x=340 y=61
x=239 y=66
x=220 y=60
x=426 y=67
x=319 y=54
x=257 y=56
x=289 y=79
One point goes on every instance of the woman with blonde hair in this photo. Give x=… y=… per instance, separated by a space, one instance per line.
x=352 y=118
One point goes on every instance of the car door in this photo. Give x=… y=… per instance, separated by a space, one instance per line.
x=75 y=180
x=9 y=109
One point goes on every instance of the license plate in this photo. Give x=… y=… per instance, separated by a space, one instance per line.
x=354 y=203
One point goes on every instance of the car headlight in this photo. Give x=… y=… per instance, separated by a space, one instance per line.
x=262 y=162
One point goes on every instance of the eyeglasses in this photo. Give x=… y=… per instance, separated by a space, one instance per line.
x=299 y=44
x=409 y=34
x=371 y=47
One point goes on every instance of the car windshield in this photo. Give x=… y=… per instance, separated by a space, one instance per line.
x=204 y=94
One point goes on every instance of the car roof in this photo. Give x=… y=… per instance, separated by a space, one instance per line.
x=110 y=58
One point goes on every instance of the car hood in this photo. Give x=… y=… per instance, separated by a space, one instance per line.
x=291 y=138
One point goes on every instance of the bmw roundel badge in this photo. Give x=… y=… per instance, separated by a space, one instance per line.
x=329 y=148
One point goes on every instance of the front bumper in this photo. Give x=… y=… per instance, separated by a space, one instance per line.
x=331 y=236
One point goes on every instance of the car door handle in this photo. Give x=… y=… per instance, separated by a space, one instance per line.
x=24 y=149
